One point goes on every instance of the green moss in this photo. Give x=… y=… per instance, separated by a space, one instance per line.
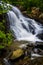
x=1 y=47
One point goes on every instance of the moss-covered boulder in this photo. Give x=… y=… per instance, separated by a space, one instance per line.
x=16 y=54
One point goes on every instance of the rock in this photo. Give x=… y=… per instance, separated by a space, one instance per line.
x=36 y=14
x=16 y=54
x=35 y=11
x=41 y=16
x=24 y=12
x=7 y=23
x=40 y=35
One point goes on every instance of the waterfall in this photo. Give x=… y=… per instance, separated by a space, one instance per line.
x=24 y=28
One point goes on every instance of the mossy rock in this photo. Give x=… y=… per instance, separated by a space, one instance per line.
x=16 y=54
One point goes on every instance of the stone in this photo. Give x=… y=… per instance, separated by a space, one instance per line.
x=35 y=11
x=41 y=16
x=16 y=54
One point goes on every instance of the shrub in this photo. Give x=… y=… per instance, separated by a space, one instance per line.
x=5 y=37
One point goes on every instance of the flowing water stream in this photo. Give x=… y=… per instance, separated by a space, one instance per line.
x=24 y=28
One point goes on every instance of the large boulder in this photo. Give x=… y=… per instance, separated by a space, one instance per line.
x=16 y=54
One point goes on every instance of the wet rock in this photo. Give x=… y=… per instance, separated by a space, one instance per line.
x=16 y=54
x=40 y=36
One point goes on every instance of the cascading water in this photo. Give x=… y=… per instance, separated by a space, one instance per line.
x=24 y=28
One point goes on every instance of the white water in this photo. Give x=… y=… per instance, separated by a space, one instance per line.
x=24 y=28
x=6 y=61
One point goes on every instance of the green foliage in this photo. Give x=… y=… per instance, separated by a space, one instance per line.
x=27 y=4
x=33 y=3
x=2 y=27
x=9 y=38
x=1 y=46
x=4 y=7
x=2 y=37
x=5 y=37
